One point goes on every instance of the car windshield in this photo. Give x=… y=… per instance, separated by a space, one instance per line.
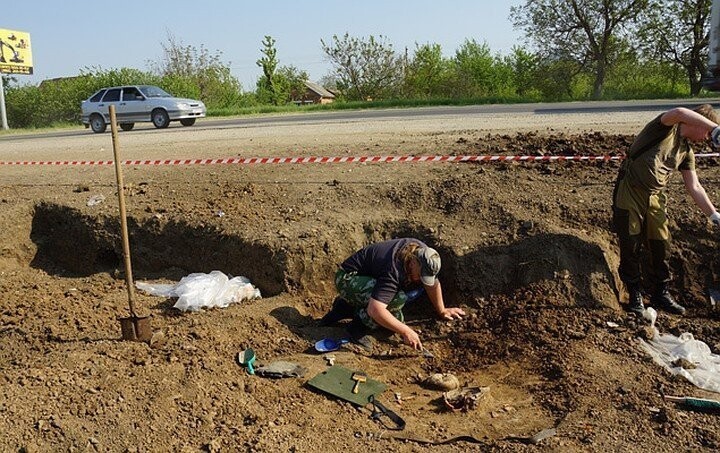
x=154 y=92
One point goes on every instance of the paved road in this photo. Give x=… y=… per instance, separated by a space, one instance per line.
x=561 y=108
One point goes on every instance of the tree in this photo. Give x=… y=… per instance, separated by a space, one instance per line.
x=586 y=32
x=524 y=66
x=196 y=73
x=290 y=82
x=427 y=73
x=277 y=85
x=480 y=74
x=365 y=68
x=329 y=81
x=267 y=88
x=678 y=31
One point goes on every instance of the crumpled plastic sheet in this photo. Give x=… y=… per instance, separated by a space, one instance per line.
x=200 y=290
x=666 y=349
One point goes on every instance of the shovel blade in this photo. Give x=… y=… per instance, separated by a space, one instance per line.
x=136 y=328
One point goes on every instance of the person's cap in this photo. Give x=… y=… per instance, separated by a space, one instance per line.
x=429 y=265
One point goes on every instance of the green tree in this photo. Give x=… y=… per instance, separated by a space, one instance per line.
x=525 y=71
x=557 y=79
x=366 y=68
x=427 y=73
x=584 y=32
x=291 y=83
x=478 y=73
x=278 y=85
x=267 y=89
x=196 y=73
x=635 y=76
x=678 y=31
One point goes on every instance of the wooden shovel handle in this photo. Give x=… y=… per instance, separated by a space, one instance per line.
x=123 y=218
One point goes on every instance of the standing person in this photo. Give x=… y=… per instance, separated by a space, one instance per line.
x=373 y=286
x=639 y=211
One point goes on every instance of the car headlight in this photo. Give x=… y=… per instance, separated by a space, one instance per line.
x=183 y=106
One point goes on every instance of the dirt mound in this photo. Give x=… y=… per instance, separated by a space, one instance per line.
x=526 y=248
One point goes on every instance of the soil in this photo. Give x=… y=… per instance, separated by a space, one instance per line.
x=527 y=252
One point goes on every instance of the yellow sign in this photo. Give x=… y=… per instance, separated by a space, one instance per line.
x=15 y=52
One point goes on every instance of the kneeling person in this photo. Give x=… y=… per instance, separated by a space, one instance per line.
x=373 y=286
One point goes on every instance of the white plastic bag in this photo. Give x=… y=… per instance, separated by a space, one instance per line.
x=666 y=349
x=200 y=290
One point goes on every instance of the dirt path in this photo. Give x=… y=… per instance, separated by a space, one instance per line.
x=526 y=248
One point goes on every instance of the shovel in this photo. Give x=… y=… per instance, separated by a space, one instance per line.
x=134 y=327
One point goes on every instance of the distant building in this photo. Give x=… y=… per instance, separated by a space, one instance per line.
x=315 y=94
x=59 y=80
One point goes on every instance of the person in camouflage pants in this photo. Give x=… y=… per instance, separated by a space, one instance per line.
x=639 y=201
x=375 y=283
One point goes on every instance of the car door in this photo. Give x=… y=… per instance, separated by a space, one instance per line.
x=132 y=108
x=112 y=97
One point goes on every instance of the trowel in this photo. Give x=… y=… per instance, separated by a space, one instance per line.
x=246 y=359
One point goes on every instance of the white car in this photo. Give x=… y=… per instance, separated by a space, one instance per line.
x=139 y=104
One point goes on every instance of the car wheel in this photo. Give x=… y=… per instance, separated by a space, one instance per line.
x=97 y=123
x=127 y=126
x=160 y=119
x=187 y=121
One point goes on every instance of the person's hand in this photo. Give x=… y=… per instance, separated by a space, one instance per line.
x=412 y=339
x=452 y=313
x=715 y=137
x=715 y=218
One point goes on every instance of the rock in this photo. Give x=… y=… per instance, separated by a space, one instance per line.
x=443 y=381
x=157 y=340
x=646 y=333
x=684 y=363
x=214 y=446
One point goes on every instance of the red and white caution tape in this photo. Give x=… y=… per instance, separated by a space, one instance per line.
x=330 y=160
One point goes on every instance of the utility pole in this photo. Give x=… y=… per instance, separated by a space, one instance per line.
x=3 y=113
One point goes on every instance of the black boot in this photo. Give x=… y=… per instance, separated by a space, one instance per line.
x=340 y=310
x=635 y=305
x=662 y=299
x=360 y=334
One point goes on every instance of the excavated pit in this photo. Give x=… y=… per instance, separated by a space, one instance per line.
x=71 y=243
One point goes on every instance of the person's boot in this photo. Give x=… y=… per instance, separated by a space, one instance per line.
x=360 y=334
x=662 y=299
x=635 y=305
x=340 y=310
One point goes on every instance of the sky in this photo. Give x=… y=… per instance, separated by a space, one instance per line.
x=68 y=36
